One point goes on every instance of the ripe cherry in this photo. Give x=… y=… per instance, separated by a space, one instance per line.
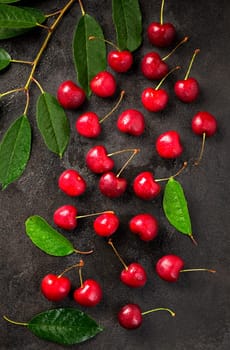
x=161 y=34
x=130 y=316
x=72 y=183
x=70 y=95
x=103 y=84
x=188 y=89
x=106 y=224
x=168 y=145
x=145 y=225
x=98 y=160
x=55 y=288
x=131 y=121
x=170 y=266
x=133 y=275
x=205 y=124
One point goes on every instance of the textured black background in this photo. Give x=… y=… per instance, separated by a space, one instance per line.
x=201 y=300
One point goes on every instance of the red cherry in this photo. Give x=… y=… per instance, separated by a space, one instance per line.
x=145 y=186
x=134 y=275
x=169 y=266
x=106 y=224
x=89 y=294
x=112 y=186
x=55 y=288
x=97 y=160
x=88 y=125
x=153 y=67
x=72 y=183
x=65 y=217
x=130 y=316
x=103 y=84
x=132 y=122
x=204 y=122
x=70 y=95
x=120 y=61
x=168 y=145
x=154 y=100
x=145 y=225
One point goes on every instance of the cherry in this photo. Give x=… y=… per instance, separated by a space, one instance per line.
x=187 y=90
x=156 y=99
x=98 y=160
x=145 y=225
x=130 y=316
x=88 y=294
x=106 y=224
x=111 y=185
x=133 y=275
x=170 y=266
x=71 y=183
x=70 y=95
x=131 y=121
x=103 y=84
x=168 y=145
x=55 y=288
x=205 y=124
x=161 y=34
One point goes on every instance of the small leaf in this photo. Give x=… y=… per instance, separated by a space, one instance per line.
x=65 y=326
x=127 y=19
x=4 y=59
x=176 y=208
x=89 y=55
x=46 y=238
x=53 y=123
x=15 y=151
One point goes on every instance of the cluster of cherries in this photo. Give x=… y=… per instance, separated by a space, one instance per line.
x=99 y=161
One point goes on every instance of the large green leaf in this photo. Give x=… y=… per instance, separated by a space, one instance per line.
x=4 y=59
x=65 y=326
x=8 y=1
x=89 y=55
x=127 y=19
x=46 y=238
x=15 y=151
x=53 y=123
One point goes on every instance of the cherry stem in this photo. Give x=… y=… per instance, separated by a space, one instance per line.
x=81 y=7
x=52 y=14
x=117 y=254
x=12 y=91
x=80 y=276
x=166 y=76
x=135 y=151
x=92 y=37
x=121 y=151
x=162 y=10
x=172 y=176
x=191 y=63
x=22 y=62
x=172 y=313
x=80 y=264
x=197 y=162
x=114 y=108
x=95 y=214
x=83 y=253
x=195 y=270
x=14 y=322
x=175 y=48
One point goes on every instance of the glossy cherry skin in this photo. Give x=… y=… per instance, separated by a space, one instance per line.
x=161 y=35
x=130 y=316
x=65 y=217
x=89 y=294
x=134 y=276
x=120 y=61
x=145 y=225
x=132 y=122
x=153 y=67
x=169 y=266
x=98 y=161
x=204 y=122
x=106 y=224
x=112 y=186
x=103 y=84
x=69 y=95
x=145 y=186
x=72 y=183
x=187 y=90
x=55 y=288
x=88 y=125
x=168 y=145
x=154 y=100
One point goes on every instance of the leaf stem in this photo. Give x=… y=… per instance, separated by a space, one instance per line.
x=83 y=253
x=14 y=322
x=193 y=240
x=81 y=7
x=22 y=61
x=39 y=85
x=27 y=102
x=11 y=91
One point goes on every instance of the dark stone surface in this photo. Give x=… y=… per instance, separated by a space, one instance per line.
x=201 y=300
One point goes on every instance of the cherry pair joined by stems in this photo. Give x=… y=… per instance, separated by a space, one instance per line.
x=70 y=95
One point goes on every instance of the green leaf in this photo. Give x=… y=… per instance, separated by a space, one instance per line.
x=127 y=19
x=8 y=1
x=15 y=151
x=53 y=123
x=176 y=208
x=4 y=59
x=46 y=238
x=66 y=326
x=89 y=55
